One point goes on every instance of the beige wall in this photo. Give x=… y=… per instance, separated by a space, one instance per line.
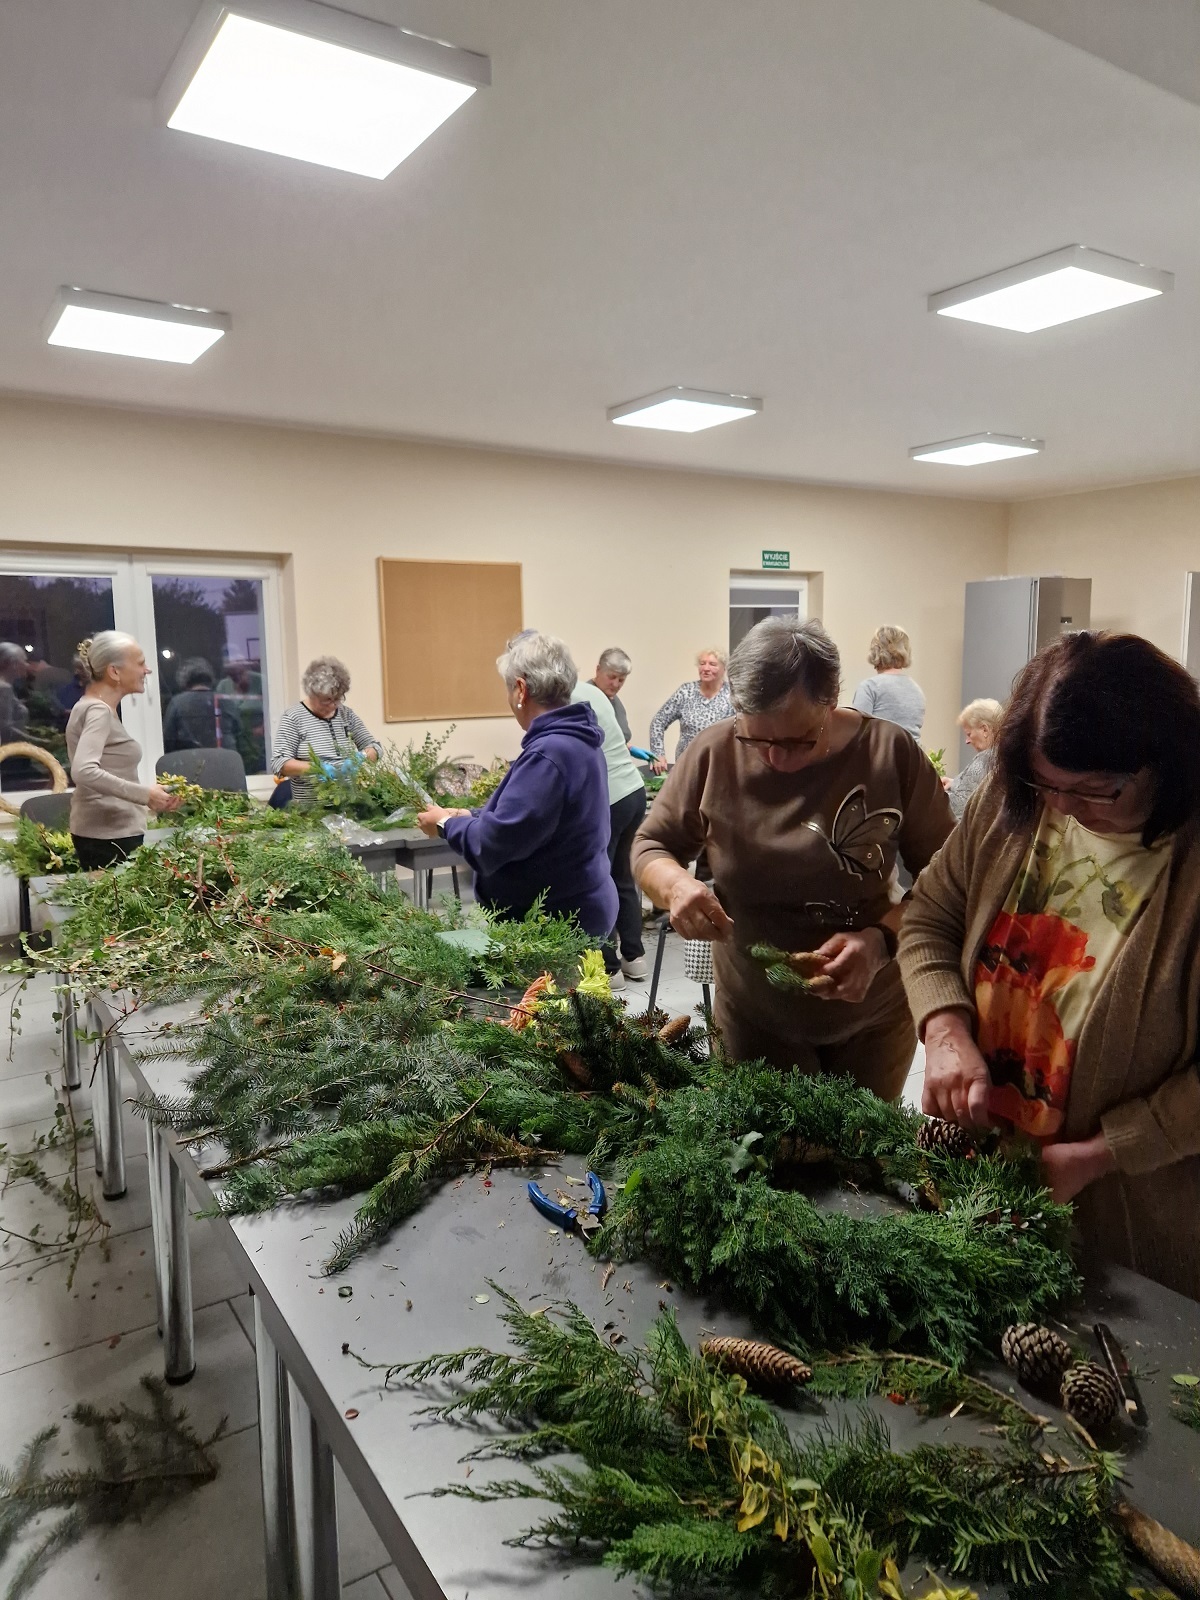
x=611 y=555
x=1134 y=543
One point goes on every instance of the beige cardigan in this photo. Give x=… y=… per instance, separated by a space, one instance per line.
x=108 y=801
x=1135 y=1075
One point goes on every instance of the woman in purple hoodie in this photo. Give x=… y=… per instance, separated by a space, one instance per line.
x=545 y=829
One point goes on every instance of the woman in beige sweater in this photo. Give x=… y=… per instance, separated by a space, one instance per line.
x=1051 y=952
x=108 y=804
x=802 y=809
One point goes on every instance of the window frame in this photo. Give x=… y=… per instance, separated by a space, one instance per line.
x=131 y=573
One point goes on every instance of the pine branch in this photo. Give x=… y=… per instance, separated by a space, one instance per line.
x=141 y=1460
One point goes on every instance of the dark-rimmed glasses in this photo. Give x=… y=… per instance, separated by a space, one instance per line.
x=1074 y=794
x=788 y=746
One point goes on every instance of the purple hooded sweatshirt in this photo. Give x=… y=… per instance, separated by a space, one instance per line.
x=545 y=829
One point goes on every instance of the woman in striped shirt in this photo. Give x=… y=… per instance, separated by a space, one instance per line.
x=694 y=706
x=320 y=724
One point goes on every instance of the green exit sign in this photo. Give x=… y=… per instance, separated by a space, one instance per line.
x=777 y=560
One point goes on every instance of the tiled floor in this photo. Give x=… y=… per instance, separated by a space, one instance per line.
x=95 y=1340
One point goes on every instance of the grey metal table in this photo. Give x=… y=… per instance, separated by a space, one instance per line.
x=316 y=1404
x=383 y=850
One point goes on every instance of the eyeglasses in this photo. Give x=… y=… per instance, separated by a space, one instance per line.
x=1074 y=794
x=788 y=746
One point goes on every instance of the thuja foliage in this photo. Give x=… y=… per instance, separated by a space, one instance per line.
x=948 y=1280
x=140 y=1459
x=690 y=1482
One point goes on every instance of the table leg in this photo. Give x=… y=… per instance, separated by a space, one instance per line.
x=106 y=1112
x=313 y=1507
x=274 y=1456
x=420 y=889
x=454 y=881
x=172 y=1261
x=658 y=961
x=70 y=1040
x=156 y=1234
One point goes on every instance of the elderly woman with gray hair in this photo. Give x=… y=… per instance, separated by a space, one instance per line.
x=321 y=724
x=803 y=809
x=544 y=831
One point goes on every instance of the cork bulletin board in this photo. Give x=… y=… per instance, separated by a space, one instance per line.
x=443 y=623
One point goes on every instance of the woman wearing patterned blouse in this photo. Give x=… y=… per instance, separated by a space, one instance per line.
x=1051 y=952
x=694 y=706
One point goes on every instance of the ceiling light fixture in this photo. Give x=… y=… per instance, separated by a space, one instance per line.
x=1059 y=287
x=680 y=410
x=308 y=81
x=120 y=326
x=976 y=449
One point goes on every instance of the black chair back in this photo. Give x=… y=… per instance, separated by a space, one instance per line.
x=53 y=811
x=211 y=769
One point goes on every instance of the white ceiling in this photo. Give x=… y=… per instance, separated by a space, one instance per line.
x=754 y=196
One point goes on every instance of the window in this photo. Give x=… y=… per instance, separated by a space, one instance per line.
x=211 y=631
x=756 y=595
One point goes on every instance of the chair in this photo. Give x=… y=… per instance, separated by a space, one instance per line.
x=211 y=769
x=53 y=811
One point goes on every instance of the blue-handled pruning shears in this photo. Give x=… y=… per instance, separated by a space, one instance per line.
x=568 y=1217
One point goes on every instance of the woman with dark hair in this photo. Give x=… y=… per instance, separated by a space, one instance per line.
x=803 y=808
x=1051 y=952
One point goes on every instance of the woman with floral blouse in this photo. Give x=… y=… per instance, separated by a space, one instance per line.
x=1051 y=951
x=694 y=706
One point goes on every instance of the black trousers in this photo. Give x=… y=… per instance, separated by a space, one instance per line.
x=94 y=853
x=625 y=818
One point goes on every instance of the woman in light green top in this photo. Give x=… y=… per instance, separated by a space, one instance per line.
x=627 y=808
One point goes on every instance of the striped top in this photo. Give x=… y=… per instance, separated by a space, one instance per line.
x=302 y=732
x=693 y=712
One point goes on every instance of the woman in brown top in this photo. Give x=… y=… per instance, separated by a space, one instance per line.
x=108 y=803
x=802 y=809
x=1051 y=953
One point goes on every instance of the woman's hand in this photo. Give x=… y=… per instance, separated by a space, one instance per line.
x=947 y=784
x=696 y=912
x=851 y=960
x=957 y=1081
x=160 y=799
x=371 y=753
x=658 y=765
x=1069 y=1168
x=427 y=821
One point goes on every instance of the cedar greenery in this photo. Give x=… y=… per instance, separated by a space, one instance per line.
x=690 y=1482
x=142 y=1459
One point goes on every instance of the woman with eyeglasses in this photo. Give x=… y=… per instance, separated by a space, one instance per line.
x=803 y=808
x=1051 y=952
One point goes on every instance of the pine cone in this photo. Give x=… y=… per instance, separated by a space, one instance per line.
x=1037 y=1355
x=759 y=1363
x=1176 y=1562
x=948 y=1137
x=675 y=1029
x=1089 y=1394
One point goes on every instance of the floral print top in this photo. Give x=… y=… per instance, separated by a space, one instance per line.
x=693 y=711
x=1070 y=909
